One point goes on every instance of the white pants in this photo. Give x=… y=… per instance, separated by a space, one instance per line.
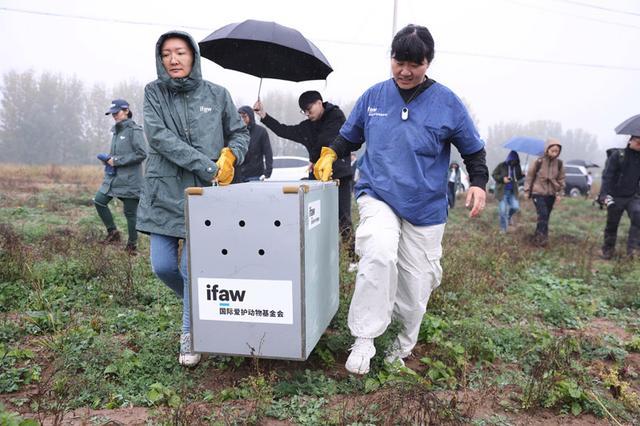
x=399 y=268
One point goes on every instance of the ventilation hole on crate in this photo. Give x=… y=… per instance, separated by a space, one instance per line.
x=207 y=222
x=276 y=223
x=241 y=223
x=261 y=252
x=224 y=252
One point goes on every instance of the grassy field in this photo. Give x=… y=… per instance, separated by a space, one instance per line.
x=514 y=335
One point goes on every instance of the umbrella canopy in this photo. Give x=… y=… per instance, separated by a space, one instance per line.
x=630 y=126
x=265 y=50
x=584 y=163
x=525 y=144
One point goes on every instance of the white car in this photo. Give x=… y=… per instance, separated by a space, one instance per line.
x=288 y=167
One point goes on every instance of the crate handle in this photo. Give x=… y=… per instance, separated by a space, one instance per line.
x=293 y=189
x=194 y=190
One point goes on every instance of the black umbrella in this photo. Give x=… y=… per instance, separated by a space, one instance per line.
x=265 y=50
x=630 y=126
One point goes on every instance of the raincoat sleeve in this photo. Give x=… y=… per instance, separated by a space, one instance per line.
x=139 y=150
x=236 y=134
x=171 y=146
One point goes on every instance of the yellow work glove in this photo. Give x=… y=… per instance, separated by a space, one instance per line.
x=323 y=169
x=225 y=167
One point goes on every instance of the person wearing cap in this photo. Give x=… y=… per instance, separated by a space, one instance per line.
x=315 y=132
x=544 y=184
x=195 y=137
x=123 y=173
x=258 y=161
x=409 y=123
x=506 y=175
x=620 y=192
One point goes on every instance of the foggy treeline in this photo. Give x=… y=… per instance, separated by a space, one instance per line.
x=55 y=119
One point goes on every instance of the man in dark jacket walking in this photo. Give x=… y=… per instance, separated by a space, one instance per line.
x=319 y=129
x=620 y=191
x=258 y=161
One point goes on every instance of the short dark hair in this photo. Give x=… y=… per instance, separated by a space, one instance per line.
x=413 y=43
x=308 y=98
x=129 y=114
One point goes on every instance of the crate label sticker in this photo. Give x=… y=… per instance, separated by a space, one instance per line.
x=264 y=301
x=314 y=214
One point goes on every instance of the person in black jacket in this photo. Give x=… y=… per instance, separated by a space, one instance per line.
x=620 y=192
x=319 y=129
x=258 y=161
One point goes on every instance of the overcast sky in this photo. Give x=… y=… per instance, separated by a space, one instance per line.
x=575 y=62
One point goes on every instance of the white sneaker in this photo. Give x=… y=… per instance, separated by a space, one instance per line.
x=186 y=357
x=361 y=353
x=353 y=267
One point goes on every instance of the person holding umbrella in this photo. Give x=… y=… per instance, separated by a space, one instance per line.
x=409 y=123
x=544 y=184
x=195 y=137
x=317 y=131
x=123 y=173
x=620 y=192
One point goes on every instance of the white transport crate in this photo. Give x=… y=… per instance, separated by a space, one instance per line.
x=263 y=266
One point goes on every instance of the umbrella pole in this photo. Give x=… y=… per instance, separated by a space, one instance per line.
x=259 y=88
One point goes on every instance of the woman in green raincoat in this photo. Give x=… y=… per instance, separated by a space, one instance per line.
x=122 y=173
x=195 y=136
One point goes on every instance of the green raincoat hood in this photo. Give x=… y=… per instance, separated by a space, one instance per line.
x=179 y=84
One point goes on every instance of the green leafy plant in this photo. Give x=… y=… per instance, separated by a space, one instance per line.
x=160 y=394
x=302 y=410
x=17 y=369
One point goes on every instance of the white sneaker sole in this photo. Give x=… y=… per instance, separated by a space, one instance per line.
x=189 y=360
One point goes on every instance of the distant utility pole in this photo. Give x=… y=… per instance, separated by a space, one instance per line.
x=394 y=24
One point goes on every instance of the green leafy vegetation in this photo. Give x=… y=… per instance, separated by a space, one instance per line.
x=512 y=326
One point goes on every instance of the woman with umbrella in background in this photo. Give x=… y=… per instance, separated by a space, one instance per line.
x=195 y=136
x=544 y=184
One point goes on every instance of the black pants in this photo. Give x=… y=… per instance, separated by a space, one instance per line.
x=451 y=194
x=614 y=214
x=544 y=205
x=344 y=216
